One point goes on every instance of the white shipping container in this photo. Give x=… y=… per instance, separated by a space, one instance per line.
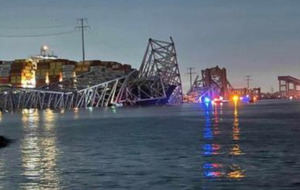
x=39 y=77
x=5 y=70
x=95 y=68
x=7 y=63
x=4 y=73
x=67 y=75
x=5 y=67
x=116 y=66
x=68 y=67
x=67 y=72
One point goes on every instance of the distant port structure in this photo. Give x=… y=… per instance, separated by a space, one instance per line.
x=289 y=87
x=212 y=85
x=46 y=81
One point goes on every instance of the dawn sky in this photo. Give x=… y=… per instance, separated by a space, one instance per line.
x=260 y=38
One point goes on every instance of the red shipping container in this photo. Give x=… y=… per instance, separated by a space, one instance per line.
x=4 y=80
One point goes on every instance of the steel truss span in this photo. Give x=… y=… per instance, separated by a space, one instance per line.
x=156 y=82
x=100 y=95
x=212 y=83
x=160 y=64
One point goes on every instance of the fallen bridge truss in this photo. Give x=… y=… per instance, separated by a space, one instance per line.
x=156 y=82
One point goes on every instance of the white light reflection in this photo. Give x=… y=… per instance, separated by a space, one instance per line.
x=235 y=172
x=236 y=133
x=39 y=150
x=76 y=113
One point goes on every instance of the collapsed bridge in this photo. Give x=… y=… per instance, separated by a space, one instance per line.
x=213 y=84
x=157 y=81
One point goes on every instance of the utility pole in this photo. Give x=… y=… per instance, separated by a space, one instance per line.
x=82 y=26
x=190 y=72
x=248 y=79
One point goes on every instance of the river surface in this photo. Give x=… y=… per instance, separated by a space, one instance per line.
x=245 y=146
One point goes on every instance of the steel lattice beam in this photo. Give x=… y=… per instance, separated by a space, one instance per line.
x=213 y=83
x=160 y=65
x=100 y=95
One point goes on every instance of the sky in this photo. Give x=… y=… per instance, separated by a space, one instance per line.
x=260 y=38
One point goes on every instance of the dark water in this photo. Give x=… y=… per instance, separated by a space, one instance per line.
x=253 y=146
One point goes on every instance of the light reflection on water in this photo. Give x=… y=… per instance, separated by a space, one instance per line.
x=236 y=150
x=141 y=148
x=2 y=164
x=212 y=150
x=39 y=150
x=2 y=171
x=76 y=113
x=235 y=171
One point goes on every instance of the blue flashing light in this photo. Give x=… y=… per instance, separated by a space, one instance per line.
x=208 y=166
x=208 y=134
x=207 y=100
x=208 y=174
x=207 y=150
x=212 y=166
x=208 y=147
x=246 y=99
x=213 y=174
x=207 y=153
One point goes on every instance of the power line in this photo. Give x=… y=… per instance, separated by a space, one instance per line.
x=36 y=35
x=33 y=27
x=82 y=26
x=190 y=73
x=248 y=79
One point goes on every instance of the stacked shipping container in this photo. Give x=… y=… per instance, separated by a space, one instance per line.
x=42 y=73
x=101 y=71
x=82 y=67
x=36 y=73
x=68 y=69
x=22 y=73
x=5 y=72
x=55 y=68
x=52 y=71
x=127 y=68
x=103 y=66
